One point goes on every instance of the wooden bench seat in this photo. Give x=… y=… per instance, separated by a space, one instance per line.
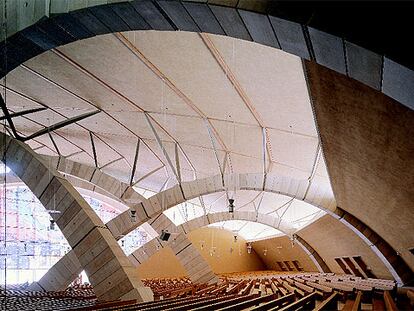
x=330 y=303
x=305 y=303
x=248 y=303
x=280 y=302
x=353 y=305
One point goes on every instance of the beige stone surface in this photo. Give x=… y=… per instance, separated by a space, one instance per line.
x=332 y=239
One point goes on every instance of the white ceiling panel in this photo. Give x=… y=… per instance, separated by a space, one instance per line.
x=128 y=74
x=296 y=151
x=191 y=67
x=273 y=81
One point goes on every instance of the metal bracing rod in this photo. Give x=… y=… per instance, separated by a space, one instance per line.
x=210 y=134
x=203 y=206
x=162 y=148
x=42 y=131
x=8 y=117
x=22 y=113
x=264 y=151
x=95 y=157
x=54 y=144
x=177 y=161
x=134 y=166
x=314 y=166
x=283 y=214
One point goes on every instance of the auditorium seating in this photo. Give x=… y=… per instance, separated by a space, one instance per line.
x=261 y=290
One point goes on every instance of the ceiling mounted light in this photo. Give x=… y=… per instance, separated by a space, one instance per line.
x=165 y=235
x=52 y=225
x=133 y=214
x=249 y=248
x=231 y=205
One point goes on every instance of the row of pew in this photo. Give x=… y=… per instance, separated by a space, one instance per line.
x=267 y=290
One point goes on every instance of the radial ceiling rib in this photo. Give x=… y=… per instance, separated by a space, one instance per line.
x=131 y=47
x=233 y=80
x=114 y=91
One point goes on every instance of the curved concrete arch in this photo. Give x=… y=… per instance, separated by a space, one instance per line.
x=106 y=265
x=149 y=249
x=94 y=179
x=30 y=33
x=198 y=269
x=309 y=192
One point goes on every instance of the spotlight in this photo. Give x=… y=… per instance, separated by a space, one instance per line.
x=164 y=236
x=249 y=248
x=52 y=225
x=235 y=238
x=133 y=214
x=231 y=205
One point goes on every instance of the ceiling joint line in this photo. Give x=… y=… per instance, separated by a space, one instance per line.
x=74 y=153
x=232 y=78
x=111 y=162
x=134 y=50
x=162 y=148
x=148 y=174
x=95 y=78
x=210 y=135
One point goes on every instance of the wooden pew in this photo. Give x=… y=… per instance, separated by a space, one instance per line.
x=389 y=302
x=305 y=303
x=247 y=303
x=186 y=304
x=353 y=305
x=280 y=302
x=378 y=304
x=330 y=303
x=161 y=304
x=222 y=304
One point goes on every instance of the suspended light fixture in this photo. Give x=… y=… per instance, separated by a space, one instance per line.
x=231 y=205
x=265 y=252
x=249 y=248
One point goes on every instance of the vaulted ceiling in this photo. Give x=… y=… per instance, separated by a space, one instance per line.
x=214 y=104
